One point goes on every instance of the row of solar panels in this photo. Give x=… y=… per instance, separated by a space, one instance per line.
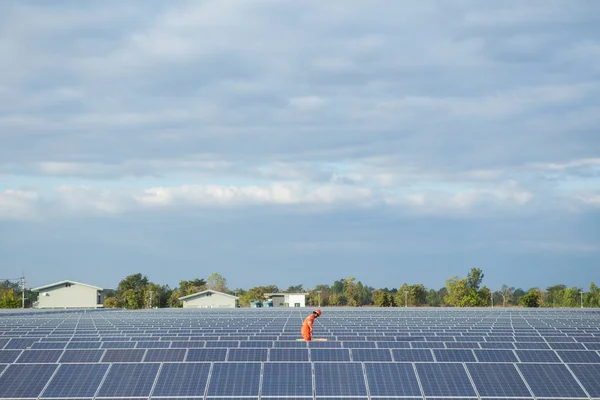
x=298 y=379
x=297 y=354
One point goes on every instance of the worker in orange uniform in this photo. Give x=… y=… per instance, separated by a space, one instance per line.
x=307 y=325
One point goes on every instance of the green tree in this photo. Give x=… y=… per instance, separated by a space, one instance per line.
x=466 y=292
x=217 y=282
x=474 y=278
x=111 y=302
x=295 y=289
x=531 y=298
x=8 y=299
x=381 y=298
x=256 y=294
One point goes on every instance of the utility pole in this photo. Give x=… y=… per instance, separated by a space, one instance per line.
x=581 y=293
x=150 y=300
x=492 y=297
x=23 y=290
x=319 y=293
x=405 y=298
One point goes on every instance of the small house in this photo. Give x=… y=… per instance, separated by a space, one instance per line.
x=69 y=294
x=287 y=299
x=210 y=299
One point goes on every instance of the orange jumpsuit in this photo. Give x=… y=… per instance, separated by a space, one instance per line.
x=307 y=327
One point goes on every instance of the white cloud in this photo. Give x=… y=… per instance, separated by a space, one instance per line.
x=18 y=204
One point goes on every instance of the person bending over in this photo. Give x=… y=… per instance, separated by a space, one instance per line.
x=307 y=325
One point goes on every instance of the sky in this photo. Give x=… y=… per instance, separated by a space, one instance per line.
x=286 y=143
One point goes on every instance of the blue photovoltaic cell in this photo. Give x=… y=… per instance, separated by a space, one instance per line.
x=532 y=346
x=118 y=345
x=392 y=379
x=589 y=376
x=164 y=355
x=182 y=379
x=539 y=356
x=567 y=346
x=287 y=379
x=329 y=355
x=247 y=354
x=16 y=343
x=371 y=355
x=257 y=343
x=152 y=345
x=454 y=355
x=445 y=380
x=123 y=355
x=462 y=345
x=25 y=380
x=577 y=356
x=3 y=342
x=76 y=380
x=551 y=380
x=495 y=356
x=9 y=356
x=393 y=345
x=288 y=354
x=412 y=355
x=496 y=345
x=38 y=356
x=49 y=345
x=339 y=379
x=84 y=345
x=81 y=356
x=359 y=345
x=234 y=379
x=498 y=380
x=222 y=343
x=206 y=355
x=128 y=380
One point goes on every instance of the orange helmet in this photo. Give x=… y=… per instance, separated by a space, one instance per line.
x=318 y=312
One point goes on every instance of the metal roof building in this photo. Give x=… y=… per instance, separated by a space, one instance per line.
x=69 y=294
x=209 y=299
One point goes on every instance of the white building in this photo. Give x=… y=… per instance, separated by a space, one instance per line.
x=69 y=294
x=209 y=299
x=287 y=299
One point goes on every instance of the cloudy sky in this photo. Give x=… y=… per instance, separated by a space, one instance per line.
x=285 y=142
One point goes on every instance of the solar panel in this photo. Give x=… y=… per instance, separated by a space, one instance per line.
x=454 y=355
x=25 y=380
x=537 y=356
x=234 y=379
x=495 y=356
x=182 y=379
x=123 y=355
x=9 y=356
x=339 y=379
x=288 y=354
x=589 y=378
x=497 y=380
x=392 y=379
x=329 y=355
x=76 y=380
x=445 y=380
x=206 y=355
x=247 y=354
x=412 y=355
x=38 y=356
x=129 y=380
x=551 y=380
x=371 y=355
x=578 y=356
x=287 y=379
x=165 y=355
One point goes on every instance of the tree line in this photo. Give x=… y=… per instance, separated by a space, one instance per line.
x=136 y=291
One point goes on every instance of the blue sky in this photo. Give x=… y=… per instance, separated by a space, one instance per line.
x=281 y=142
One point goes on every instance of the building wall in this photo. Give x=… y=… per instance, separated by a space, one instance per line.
x=299 y=299
x=289 y=300
x=74 y=296
x=210 y=300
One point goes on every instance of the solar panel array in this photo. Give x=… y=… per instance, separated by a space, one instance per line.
x=254 y=354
